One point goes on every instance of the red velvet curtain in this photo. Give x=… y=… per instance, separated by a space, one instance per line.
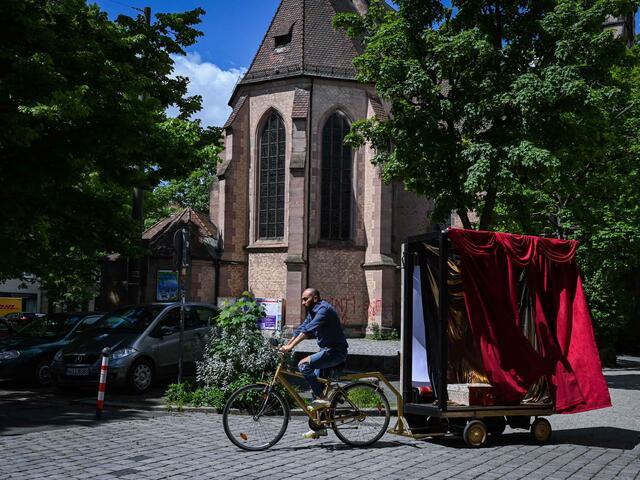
x=568 y=356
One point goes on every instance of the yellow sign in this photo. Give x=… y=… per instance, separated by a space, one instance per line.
x=10 y=304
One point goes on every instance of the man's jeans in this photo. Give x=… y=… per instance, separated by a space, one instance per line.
x=325 y=358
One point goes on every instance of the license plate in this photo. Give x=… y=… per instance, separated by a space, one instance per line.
x=77 y=372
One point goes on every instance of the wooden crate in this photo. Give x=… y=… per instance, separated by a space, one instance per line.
x=472 y=394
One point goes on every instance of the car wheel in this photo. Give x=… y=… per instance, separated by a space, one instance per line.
x=42 y=374
x=141 y=376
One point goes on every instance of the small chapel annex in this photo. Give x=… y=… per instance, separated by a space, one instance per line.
x=297 y=207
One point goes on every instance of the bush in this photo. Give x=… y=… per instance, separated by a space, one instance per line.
x=181 y=394
x=378 y=333
x=236 y=354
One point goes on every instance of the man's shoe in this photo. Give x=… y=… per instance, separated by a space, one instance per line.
x=314 y=435
x=319 y=403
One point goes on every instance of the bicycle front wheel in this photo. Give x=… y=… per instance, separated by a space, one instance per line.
x=360 y=413
x=255 y=418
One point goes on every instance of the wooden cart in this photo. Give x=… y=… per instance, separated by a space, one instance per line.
x=437 y=416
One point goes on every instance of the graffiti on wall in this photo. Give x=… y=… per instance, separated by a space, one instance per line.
x=352 y=311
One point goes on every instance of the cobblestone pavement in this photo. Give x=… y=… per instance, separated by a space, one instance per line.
x=602 y=444
x=360 y=346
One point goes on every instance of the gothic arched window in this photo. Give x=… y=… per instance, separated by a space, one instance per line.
x=336 y=190
x=271 y=202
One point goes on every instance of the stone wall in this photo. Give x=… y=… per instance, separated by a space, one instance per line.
x=410 y=216
x=339 y=276
x=202 y=288
x=268 y=274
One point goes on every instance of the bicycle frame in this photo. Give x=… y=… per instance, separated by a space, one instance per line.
x=280 y=376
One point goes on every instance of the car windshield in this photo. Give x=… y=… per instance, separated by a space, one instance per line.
x=129 y=320
x=88 y=323
x=51 y=326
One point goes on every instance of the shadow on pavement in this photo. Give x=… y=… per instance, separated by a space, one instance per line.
x=338 y=446
x=25 y=409
x=604 y=437
x=29 y=419
x=624 y=381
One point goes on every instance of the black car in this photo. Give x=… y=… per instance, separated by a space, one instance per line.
x=6 y=329
x=27 y=354
x=19 y=319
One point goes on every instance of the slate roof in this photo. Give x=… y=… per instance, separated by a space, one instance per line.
x=315 y=49
x=160 y=235
x=235 y=111
x=378 y=109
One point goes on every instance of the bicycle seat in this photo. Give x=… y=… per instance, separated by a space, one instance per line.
x=332 y=373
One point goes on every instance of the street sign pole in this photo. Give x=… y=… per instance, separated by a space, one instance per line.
x=181 y=262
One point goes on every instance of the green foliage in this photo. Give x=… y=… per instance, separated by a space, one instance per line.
x=490 y=98
x=192 y=191
x=378 y=333
x=364 y=398
x=83 y=104
x=188 y=394
x=244 y=313
x=236 y=346
x=236 y=354
x=526 y=113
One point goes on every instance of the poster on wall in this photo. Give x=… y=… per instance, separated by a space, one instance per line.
x=167 y=286
x=273 y=310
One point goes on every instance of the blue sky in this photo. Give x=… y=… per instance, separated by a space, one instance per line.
x=233 y=30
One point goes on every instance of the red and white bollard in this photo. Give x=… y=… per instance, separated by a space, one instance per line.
x=103 y=381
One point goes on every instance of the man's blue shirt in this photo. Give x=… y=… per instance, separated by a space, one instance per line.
x=322 y=323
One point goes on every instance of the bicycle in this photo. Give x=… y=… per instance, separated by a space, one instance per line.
x=256 y=416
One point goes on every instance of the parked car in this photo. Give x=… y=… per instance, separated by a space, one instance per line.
x=144 y=343
x=27 y=354
x=5 y=328
x=20 y=319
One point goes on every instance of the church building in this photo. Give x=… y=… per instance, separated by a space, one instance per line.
x=297 y=207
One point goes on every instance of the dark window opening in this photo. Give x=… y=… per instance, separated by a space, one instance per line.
x=272 y=179
x=282 y=41
x=336 y=189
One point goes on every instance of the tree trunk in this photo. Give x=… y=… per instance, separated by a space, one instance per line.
x=486 y=218
x=464 y=218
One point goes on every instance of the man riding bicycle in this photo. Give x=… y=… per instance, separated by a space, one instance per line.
x=322 y=322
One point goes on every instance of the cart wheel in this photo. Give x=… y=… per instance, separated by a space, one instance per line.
x=541 y=430
x=475 y=433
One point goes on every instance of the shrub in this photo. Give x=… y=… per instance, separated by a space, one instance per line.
x=236 y=354
x=383 y=333
x=236 y=346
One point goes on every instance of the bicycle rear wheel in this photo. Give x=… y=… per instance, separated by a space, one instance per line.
x=360 y=413
x=255 y=418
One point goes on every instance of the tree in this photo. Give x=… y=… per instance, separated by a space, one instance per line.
x=490 y=98
x=82 y=121
x=524 y=113
x=192 y=191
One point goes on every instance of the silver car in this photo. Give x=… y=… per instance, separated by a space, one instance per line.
x=144 y=342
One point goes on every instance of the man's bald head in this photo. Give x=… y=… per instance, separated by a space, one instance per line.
x=310 y=297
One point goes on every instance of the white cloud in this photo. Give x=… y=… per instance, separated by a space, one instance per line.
x=214 y=84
